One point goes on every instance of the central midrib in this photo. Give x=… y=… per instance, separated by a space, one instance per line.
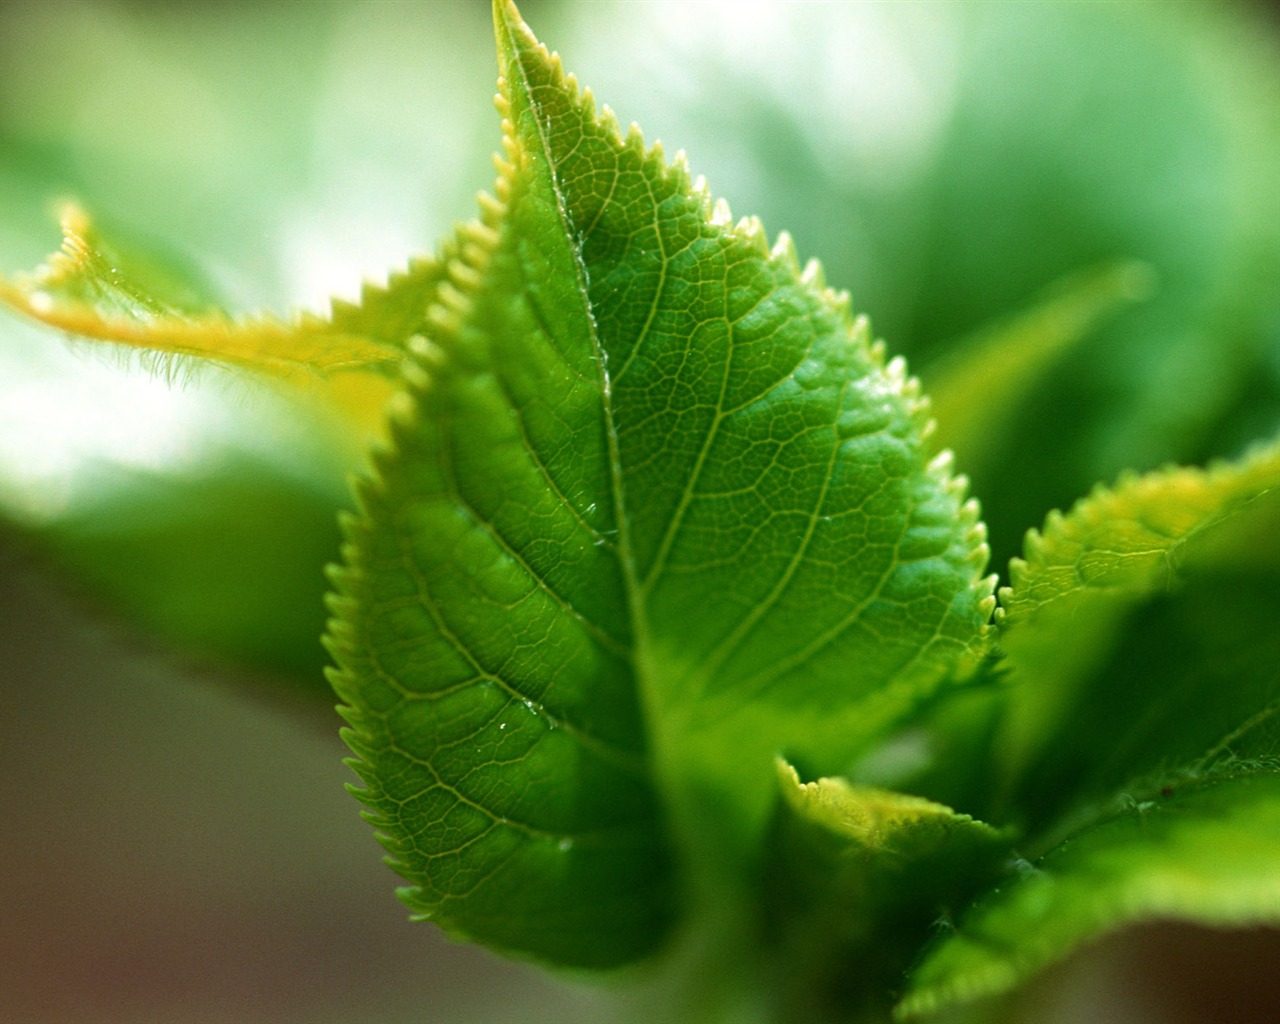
x=635 y=610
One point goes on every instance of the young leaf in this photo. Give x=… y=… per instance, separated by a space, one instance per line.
x=224 y=560
x=1073 y=600
x=1146 y=671
x=95 y=290
x=857 y=875
x=1124 y=541
x=655 y=509
x=1205 y=852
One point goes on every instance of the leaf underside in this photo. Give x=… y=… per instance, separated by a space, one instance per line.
x=654 y=509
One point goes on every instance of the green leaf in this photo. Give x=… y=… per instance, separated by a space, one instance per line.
x=1117 y=589
x=93 y=289
x=995 y=149
x=655 y=510
x=1204 y=852
x=1125 y=541
x=223 y=556
x=857 y=875
x=1145 y=730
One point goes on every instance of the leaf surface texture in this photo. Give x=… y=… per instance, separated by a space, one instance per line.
x=655 y=509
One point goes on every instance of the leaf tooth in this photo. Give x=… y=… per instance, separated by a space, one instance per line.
x=911 y=392
x=429 y=354
x=352 y=736
x=559 y=76
x=364 y=797
x=676 y=171
x=338 y=600
x=841 y=303
x=402 y=414
x=419 y=346
x=609 y=121
x=502 y=100
x=968 y=511
x=345 y=685
x=941 y=465
x=979 y=555
x=364 y=492
x=918 y=406
x=341 y=307
x=417 y=378
x=505 y=164
x=456 y=300
x=395 y=847
x=360 y=743
x=492 y=211
x=990 y=604
x=482 y=233
x=784 y=252
x=721 y=215
x=700 y=191
x=1033 y=546
x=342 y=684
x=814 y=275
x=634 y=139
x=751 y=230
x=463 y=272
x=583 y=97
x=442 y=318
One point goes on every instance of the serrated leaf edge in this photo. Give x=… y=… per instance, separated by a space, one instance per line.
x=262 y=342
x=1254 y=474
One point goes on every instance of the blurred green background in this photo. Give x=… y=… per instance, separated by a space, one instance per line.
x=177 y=852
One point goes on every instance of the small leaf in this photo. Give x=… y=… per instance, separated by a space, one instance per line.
x=225 y=560
x=1082 y=578
x=1125 y=541
x=655 y=509
x=1204 y=852
x=91 y=289
x=1189 y=681
x=857 y=875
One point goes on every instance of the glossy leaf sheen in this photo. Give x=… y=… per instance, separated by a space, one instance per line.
x=655 y=509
